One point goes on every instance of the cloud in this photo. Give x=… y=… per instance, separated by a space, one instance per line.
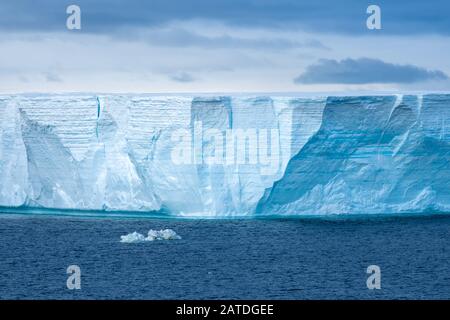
x=349 y=16
x=182 y=77
x=365 y=71
x=23 y=79
x=174 y=36
x=52 y=77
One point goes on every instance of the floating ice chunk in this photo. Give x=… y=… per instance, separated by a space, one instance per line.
x=132 y=238
x=135 y=237
x=166 y=234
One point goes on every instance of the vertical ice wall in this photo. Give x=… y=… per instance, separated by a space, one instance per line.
x=13 y=156
x=370 y=154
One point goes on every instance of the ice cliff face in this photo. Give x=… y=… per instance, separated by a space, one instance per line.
x=226 y=156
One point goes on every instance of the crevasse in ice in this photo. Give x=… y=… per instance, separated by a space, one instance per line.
x=237 y=155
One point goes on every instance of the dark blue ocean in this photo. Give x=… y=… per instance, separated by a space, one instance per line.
x=225 y=259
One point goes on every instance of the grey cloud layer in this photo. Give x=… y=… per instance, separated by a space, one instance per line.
x=182 y=77
x=365 y=71
x=346 y=16
x=179 y=37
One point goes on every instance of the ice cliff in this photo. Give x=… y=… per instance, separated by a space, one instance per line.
x=226 y=155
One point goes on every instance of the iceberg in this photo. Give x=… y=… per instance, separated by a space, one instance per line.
x=136 y=237
x=226 y=156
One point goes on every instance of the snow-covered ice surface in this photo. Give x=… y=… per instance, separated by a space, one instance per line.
x=323 y=155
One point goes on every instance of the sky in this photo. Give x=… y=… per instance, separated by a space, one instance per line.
x=176 y=46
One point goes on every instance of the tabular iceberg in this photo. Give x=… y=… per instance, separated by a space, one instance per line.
x=215 y=156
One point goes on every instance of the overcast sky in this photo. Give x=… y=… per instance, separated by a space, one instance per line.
x=224 y=46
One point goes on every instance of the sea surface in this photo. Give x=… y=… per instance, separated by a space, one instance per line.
x=311 y=258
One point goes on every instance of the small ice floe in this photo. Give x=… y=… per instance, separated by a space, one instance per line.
x=132 y=237
x=166 y=234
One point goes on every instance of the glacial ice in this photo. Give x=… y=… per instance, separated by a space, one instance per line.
x=133 y=237
x=316 y=155
x=136 y=237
